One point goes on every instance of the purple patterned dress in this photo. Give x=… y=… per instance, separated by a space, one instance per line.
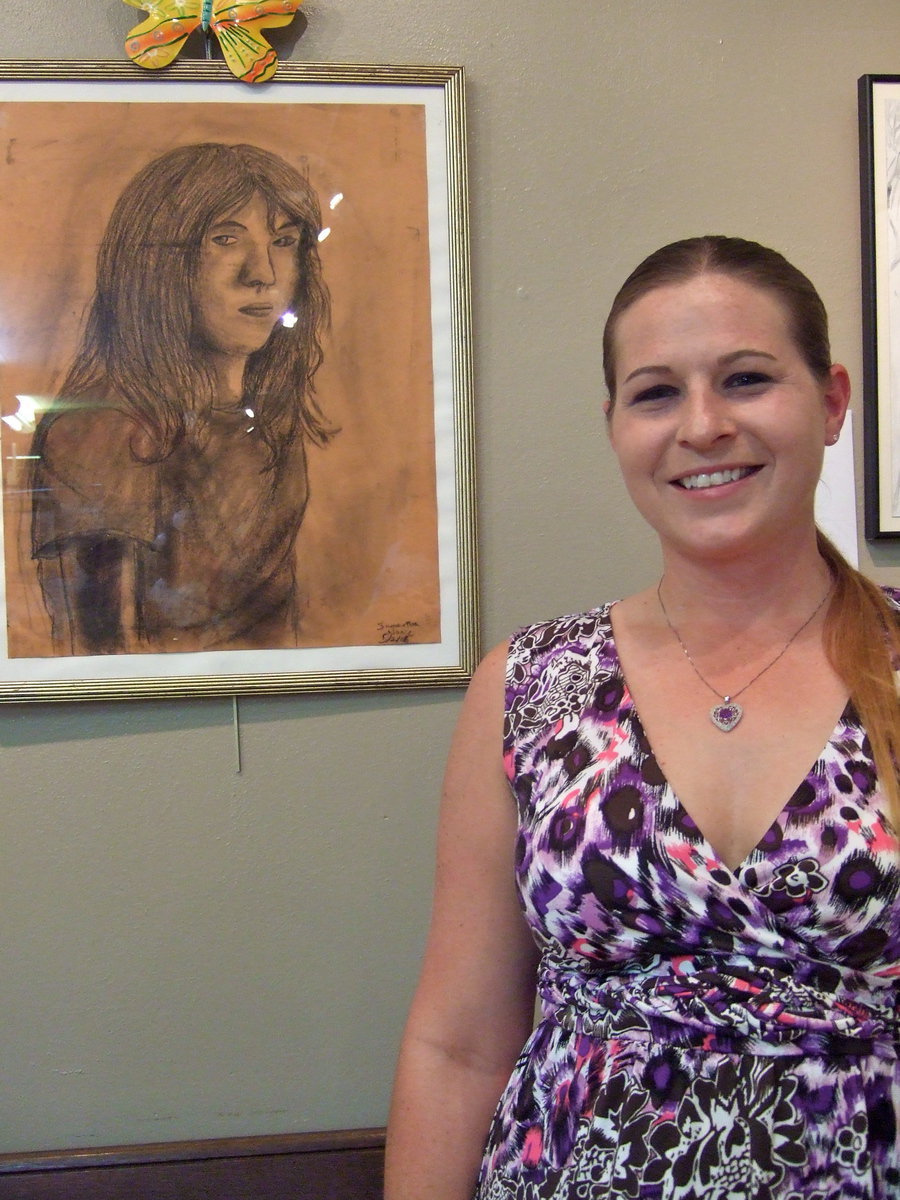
x=706 y=1034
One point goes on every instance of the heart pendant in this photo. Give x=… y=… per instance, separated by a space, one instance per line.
x=726 y=715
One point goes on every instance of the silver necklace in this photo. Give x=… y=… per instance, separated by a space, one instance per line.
x=727 y=714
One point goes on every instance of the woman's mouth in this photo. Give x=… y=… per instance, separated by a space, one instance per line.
x=257 y=310
x=709 y=479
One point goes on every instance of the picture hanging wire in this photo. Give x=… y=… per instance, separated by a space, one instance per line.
x=237 y=734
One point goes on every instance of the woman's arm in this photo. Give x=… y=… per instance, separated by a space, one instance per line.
x=82 y=588
x=93 y=506
x=473 y=1007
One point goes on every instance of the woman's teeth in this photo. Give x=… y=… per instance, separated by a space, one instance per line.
x=714 y=478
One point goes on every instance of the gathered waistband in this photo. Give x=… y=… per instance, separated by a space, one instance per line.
x=718 y=1005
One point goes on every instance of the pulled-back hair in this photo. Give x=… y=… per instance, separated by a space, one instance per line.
x=862 y=631
x=755 y=265
x=139 y=349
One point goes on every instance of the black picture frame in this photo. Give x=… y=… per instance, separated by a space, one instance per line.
x=879 y=174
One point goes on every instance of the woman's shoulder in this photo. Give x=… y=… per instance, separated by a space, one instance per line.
x=77 y=425
x=89 y=440
x=88 y=479
x=572 y=629
x=553 y=668
x=560 y=649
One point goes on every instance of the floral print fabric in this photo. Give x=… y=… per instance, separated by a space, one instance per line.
x=705 y=1033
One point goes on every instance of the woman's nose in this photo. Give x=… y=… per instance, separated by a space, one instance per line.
x=705 y=418
x=257 y=269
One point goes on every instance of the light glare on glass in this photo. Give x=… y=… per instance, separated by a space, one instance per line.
x=24 y=419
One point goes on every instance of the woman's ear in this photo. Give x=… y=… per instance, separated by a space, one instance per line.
x=837 y=401
x=608 y=412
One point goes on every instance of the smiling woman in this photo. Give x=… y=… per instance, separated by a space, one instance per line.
x=717 y=420
x=710 y=888
x=170 y=477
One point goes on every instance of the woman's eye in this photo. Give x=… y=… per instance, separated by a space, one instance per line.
x=747 y=379
x=659 y=391
x=223 y=239
x=286 y=239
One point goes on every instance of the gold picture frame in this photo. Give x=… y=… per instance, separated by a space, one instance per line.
x=147 y=551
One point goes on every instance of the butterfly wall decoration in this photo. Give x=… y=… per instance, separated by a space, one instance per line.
x=238 y=25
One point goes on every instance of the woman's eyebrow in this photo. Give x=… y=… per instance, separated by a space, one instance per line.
x=724 y=361
x=229 y=223
x=650 y=370
x=748 y=353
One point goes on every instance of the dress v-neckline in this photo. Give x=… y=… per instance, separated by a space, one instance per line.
x=745 y=862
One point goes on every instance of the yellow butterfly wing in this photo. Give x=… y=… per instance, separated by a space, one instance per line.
x=156 y=41
x=238 y=26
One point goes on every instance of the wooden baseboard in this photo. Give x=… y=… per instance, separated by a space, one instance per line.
x=345 y=1164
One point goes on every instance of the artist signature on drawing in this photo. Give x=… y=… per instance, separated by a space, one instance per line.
x=398 y=634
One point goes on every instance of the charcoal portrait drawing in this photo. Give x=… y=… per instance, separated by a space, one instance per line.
x=170 y=475
x=226 y=444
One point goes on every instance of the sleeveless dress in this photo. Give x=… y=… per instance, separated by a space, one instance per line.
x=706 y=1034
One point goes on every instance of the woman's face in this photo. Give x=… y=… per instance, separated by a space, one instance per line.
x=719 y=425
x=247 y=277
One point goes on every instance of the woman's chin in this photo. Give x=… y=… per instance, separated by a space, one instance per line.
x=724 y=541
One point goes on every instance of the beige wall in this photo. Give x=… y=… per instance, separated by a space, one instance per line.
x=191 y=953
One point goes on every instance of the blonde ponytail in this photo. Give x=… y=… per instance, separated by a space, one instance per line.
x=862 y=641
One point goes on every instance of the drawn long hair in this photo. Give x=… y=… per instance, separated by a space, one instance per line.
x=140 y=347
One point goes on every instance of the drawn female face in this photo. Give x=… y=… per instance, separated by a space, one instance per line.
x=247 y=276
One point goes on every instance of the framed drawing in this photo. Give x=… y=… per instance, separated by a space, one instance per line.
x=879 y=141
x=236 y=404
